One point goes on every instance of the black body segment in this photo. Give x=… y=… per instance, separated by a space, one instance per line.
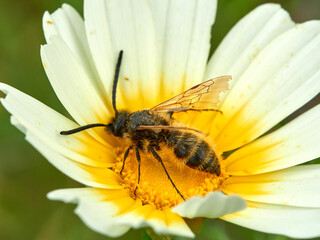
x=139 y=167
x=115 y=84
x=199 y=153
x=82 y=128
x=182 y=143
x=211 y=164
x=125 y=157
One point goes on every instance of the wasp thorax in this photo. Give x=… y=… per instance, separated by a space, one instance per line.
x=139 y=118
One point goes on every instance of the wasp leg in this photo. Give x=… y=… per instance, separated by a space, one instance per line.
x=156 y=156
x=139 y=163
x=125 y=157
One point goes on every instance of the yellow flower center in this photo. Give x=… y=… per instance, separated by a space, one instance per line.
x=155 y=187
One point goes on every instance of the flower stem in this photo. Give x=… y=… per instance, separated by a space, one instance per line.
x=149 y=234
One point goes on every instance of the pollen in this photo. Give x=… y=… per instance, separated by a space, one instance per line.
x=155 y=187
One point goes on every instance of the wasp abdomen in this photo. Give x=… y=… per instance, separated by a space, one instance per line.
x=182 y=143
x=196 y=153
x=211 y=164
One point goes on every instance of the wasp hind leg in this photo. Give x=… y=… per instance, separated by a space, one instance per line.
x=156 y=156
x=139 y=163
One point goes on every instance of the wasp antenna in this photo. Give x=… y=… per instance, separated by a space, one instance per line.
x=79 y=129
x=115 y=83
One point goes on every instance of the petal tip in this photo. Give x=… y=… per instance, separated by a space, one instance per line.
x=202 y=206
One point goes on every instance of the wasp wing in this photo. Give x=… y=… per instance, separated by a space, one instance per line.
x=170 y=128
x=203 y=96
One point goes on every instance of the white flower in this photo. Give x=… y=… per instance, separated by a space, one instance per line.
x=275 y=66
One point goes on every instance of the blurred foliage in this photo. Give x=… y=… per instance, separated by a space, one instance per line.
x=25 y=176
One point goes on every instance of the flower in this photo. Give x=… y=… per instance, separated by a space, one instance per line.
x=274 y=64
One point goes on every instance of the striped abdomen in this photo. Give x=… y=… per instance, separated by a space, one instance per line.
x=196 y=153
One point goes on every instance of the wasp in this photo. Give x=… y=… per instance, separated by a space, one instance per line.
x=149 y=130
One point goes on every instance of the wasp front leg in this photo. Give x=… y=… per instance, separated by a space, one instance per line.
x=125 y=157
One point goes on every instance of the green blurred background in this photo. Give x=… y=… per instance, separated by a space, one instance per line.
x=25 y=176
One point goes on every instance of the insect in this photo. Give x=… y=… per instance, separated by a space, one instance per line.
x=148 y=130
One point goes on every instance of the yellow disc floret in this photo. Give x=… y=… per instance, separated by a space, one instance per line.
x=155 y=188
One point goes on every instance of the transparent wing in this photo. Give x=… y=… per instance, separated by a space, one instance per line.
x=170 y=128
x=203 y=96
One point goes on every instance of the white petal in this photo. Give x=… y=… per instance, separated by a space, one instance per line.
x=128 y=27
x=26 y=112
x=159 y=10
x=296 y=142
x=93 y=208
x=31 y=116
x=296 y=186
x=282 y=78
x=49 y=28
x=90 y=176
x=213 y=205
x=17 y=124
x=73 y=86
x=100 y=43
x=68 y=24
x=183 y=50
x=246 y=39
x=163 y=222
x=294 y=222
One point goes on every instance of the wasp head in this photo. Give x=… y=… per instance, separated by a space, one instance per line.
x=117 y=125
